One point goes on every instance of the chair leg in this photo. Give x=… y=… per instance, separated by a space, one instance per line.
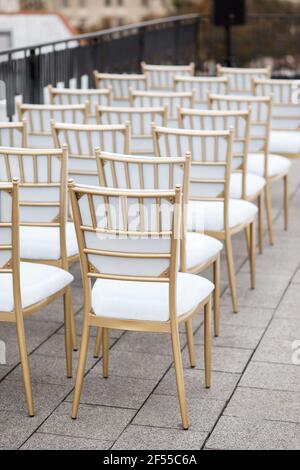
x=207 y=343
x=98 y=343
x=179 y=376
x=269 y=213
x=217 y=295
x=68 y=314
x=252 y=255
x=260 y=223
x=231 y=273
x=190 y=339
x=81 y=368
x=247 y=238
x=73 y=329
x=105 y=347
x=25 y=364
x=286 y=202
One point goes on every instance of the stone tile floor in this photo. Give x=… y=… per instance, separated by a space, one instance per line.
x=254 y=402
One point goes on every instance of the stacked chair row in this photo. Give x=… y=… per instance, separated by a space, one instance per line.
x=163 y=168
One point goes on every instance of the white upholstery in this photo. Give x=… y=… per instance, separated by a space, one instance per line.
x=42 y=243
x=200 y=249
x=38 y=282
x=148 y=301
x=285 y=142
x=277 y=165
x=209 y=215
x=254 y=185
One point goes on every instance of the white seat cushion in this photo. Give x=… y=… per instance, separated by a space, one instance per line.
x=147 y=301
x=277 y=165
x=42 y=243
x=254 y=185
x=209 y=215
x=286 y=142
x=38 y=282
x=200 y=249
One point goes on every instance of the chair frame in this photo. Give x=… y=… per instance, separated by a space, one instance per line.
x=228 y=232
x=98 y=77
x=279 y=82
x=19 y=313
x=171 y=326
x=18 y=126
x=243 y=71
x=246 y=116
x=172 y=69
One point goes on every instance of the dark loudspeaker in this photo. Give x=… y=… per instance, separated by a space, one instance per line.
x=229 y=12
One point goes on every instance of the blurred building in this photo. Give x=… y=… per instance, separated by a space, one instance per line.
x=89 y=14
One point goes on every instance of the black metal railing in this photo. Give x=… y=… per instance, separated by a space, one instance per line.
x=27 y=71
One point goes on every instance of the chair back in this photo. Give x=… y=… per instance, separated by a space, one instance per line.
x=241 y=79
x=121 y=84
x=82 y=141
x=13 y=134
x=286 y=102
x=141 y=120
x=201 y=87
x=39 y=116
x=91 y=98
x=161 y=77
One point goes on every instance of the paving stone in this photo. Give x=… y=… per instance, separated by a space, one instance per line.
x=275 y=350
x=149 y=438
x=281 y=328
x=93 y=422
x=223 y=385
x=4 y=370
x=115 y=391
x=40 y=441
x=232 y=360
x=150 y=343
x=138 y=365
x=271 y=260
x=247 y=316
x=163 y=411
x=16 y=428
x=296 y=278
x=272 y=376
x=235 y=336
x=264 y=404
x=290 y=305
x=267 y=294
x=246 y=434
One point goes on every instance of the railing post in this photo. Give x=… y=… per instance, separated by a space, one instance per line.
x=32 y=77
x=141 y=55
x=176 y=41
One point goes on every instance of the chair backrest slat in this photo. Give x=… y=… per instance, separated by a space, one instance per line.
x=161 y=77
x=120 y=84
x=13 y=134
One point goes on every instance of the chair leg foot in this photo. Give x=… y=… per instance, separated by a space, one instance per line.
x=190 y=339
x=81 y=368
x=179 y=377
x=98 y=343
x=105 y=346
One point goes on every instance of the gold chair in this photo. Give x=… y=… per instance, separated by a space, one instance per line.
x=243 y=185
x=198 y=251
x=39 y=116
x=121 y=84
x=260 y=161
x=141 y=120
x=76 y=96
x=161 y=77
x=129 y=247
x=201 y=87
x=13 y=134
x=285 y=133
x=241 y=79
x=211 y=210
x=172 y=100
x=82 y=141
x=26 y=288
